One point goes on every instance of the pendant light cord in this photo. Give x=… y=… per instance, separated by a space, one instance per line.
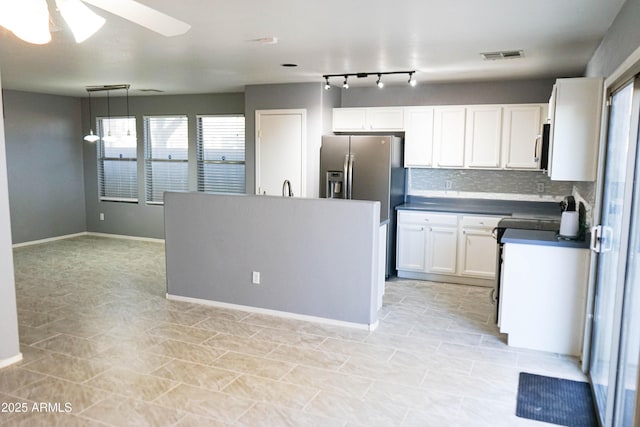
x=128 y=118
x=109 y=111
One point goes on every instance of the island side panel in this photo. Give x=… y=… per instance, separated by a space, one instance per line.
x=315 y=257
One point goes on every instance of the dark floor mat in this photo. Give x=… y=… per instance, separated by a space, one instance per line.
x=554 y=400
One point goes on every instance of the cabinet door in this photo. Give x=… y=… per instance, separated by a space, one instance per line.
x=385 y=119
x=576 y=129
x=418 y=137
x=483 y=136
x=411 y=246
x=349 y=119
x=442 y=242
x=521 y=136
x=478 y=253
x=448 y=136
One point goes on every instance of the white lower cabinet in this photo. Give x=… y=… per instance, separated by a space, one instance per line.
x=543 y=297
x=453 y=245
x=478 y=249
x=411 y=247
x=442 y=249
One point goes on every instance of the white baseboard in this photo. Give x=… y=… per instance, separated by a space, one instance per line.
x=86 y=233
x=10 y=361
x=284 y=314
x=50 y=239
x=125 y=237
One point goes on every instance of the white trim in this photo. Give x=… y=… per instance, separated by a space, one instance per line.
x=10 y=361
x=87 y=233
x=625 y=71
x=125 y=237
x=278 y=313
x=50 y=239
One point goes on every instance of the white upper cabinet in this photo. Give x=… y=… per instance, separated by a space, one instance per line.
x=575 y=113
x=483 y=133
x=449 y=136
x=368 y=119
x=418 y=137
x=522 y=135
x=349 y=119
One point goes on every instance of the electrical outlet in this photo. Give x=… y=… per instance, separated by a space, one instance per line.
x=256 y=278
x=448 y=184
x=541 y=187
x=101 y=216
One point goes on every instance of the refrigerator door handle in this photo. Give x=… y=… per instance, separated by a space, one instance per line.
x=346 y=185
x=350 y=178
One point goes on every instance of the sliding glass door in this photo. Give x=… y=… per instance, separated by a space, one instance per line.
x=616 y=323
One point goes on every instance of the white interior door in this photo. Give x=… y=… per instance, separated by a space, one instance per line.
x=280 y=151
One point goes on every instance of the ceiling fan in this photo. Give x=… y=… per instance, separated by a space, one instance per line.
x=29 y=19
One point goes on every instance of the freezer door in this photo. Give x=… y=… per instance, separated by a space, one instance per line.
x=333 y=153
x=371 y=169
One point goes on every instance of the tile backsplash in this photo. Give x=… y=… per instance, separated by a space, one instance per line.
x=520 y=185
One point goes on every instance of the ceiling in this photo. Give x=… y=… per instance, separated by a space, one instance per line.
x=441 y=40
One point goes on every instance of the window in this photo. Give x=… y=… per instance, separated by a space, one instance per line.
x=220 y=146
x=166 y=146
x=117 y=159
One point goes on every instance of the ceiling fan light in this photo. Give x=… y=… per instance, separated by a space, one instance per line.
x=82 y=21
x=27 y=19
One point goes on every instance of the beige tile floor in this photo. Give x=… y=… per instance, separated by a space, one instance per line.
x=98 y=334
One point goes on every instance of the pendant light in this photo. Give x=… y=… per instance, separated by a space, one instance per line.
x=128 y=137
x=109 y=138
x=92 y=137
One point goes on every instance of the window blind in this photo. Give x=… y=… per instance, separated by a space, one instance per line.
x=166 y=156
x=117 y=159
x=220 y=154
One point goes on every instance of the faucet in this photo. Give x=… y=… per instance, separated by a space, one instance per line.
x=286 y=189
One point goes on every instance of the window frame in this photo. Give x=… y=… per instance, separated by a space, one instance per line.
x=101 y=158
x=201 y=161
x=149 y=160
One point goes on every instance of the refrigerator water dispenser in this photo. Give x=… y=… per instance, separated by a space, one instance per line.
x=335 y=184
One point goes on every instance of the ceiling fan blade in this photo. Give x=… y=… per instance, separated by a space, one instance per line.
x=143 y=15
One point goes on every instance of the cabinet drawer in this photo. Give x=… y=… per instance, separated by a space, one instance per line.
x=427 y=218
x=480 y=221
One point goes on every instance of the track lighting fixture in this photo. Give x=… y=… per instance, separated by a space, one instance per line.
x=412 y=82
x=379 y=82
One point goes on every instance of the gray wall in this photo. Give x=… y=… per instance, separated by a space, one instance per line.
x=44 y=162
x=309 y=96
x=140 y=219
x=622 y=39
x=425 y=93
x=316 y=257
x=9 y=344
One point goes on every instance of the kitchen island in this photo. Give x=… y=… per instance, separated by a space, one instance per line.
x=314 y=259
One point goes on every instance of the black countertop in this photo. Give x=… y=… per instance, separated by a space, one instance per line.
x=516 y=208
x=543 y=238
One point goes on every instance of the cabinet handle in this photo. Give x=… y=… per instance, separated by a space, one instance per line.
x=535 y=149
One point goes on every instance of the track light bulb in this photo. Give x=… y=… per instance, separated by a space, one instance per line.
x=412 y=82
x=345 y=85
x=379 y=82
x=327 y=86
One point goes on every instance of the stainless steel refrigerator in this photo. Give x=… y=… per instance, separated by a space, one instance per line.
x=365 y=167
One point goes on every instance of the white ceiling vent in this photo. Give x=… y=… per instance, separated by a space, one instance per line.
x=505 y=54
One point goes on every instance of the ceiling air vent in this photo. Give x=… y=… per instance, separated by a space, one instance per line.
x=151 y=90
x=505 y=54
